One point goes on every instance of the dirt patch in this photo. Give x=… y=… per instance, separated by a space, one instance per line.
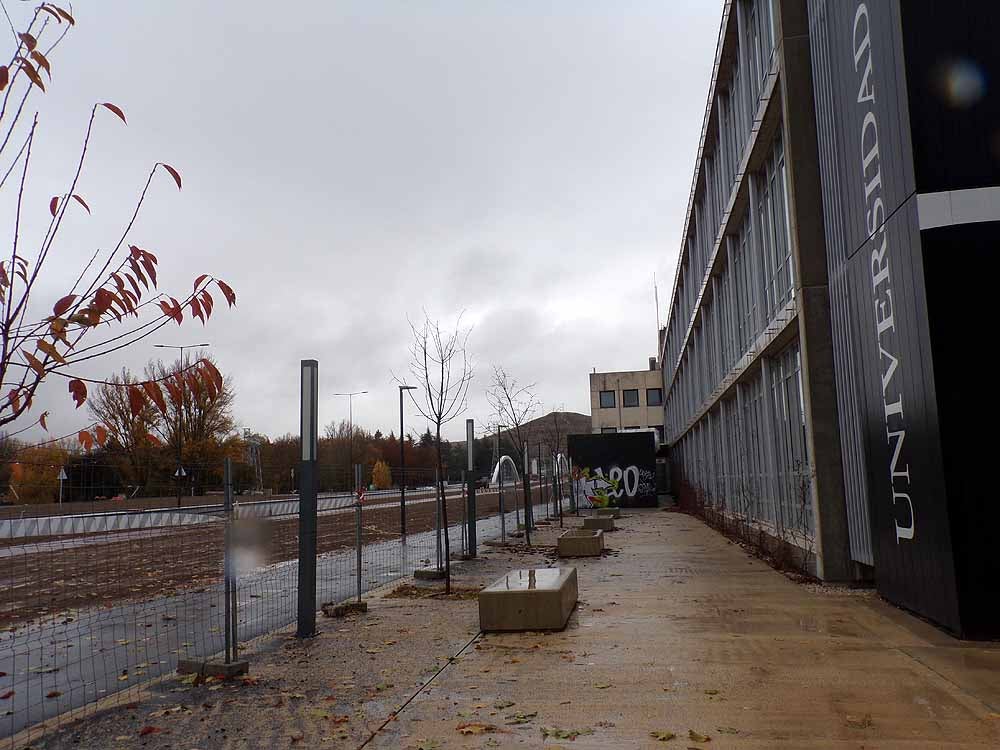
x=412 y=591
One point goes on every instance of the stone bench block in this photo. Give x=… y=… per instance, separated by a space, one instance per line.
x=599 y=522
x=581 y=543
x=609 y=512
x=534 y=599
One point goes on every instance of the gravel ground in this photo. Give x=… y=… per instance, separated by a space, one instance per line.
x=332 y=691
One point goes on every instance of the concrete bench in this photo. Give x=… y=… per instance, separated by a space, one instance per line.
x=534 y=599
x=609 y=512
x=604 y=523
x=581 y=543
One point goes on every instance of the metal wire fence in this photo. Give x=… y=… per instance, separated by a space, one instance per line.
x=96 y=603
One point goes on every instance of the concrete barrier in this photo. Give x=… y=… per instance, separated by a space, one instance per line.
x=609 y=512
x=580 y=543
x=534 y=599
x=602 y=523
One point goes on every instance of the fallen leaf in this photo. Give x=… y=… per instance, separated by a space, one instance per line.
x=695 y=737
x=727 y=730
x=53 y=694
x=501 y=705
x=475 y=727
x=711 y=692
x=662 y=736
x=864 y=722
x=149 y=729
x=8 y=694
x=602 y=685
x=564 y=734
x=520 y=718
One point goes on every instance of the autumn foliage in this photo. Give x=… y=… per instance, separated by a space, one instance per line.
x=115 y=300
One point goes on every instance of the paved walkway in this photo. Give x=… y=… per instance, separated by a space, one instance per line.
x=683 y=632
x=677 y=633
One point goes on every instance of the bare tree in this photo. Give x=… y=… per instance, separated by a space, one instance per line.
x=128 y=430
x=440 y=365
x=515 y=405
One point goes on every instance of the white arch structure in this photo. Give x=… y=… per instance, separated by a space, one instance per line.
x=494 y=479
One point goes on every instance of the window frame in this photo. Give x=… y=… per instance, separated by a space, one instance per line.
x=637 y=401
x=659 y=401
x=600 y=400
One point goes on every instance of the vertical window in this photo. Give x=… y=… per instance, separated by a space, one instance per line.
x=607 y=399
x=654 y=396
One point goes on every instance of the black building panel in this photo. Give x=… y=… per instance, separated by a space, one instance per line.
x=903 y=323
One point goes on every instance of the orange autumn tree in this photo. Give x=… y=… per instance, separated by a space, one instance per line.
x=114 y=301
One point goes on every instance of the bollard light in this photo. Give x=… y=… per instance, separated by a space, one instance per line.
x=309 y=412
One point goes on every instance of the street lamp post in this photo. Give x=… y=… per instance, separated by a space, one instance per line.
x=350 y=426
x=402 y=463
x=179 y=474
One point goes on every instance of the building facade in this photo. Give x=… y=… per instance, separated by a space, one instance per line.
x=627 y=401
x=808 y=352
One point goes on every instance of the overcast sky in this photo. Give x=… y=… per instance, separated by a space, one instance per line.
x=349 y=164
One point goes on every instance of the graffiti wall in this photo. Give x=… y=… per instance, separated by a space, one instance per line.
x=614 y=469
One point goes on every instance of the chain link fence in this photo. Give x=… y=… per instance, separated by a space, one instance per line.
x=101 y=597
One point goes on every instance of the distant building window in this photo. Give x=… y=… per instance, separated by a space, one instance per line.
x=607 y=399
x=634 y=427
x=654 y=397
x=630 y=397
x=659 y=433
x=609 y=429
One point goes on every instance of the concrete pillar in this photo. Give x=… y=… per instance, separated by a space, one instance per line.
x=833 y=558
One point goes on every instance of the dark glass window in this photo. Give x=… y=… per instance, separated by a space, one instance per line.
x=654 y=397
x=630 y=397
x=607 y=399
x=609 y=429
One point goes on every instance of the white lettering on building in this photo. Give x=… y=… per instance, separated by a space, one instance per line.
x=886 y=337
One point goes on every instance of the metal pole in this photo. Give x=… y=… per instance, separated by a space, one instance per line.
x=503 y=516
x=437 y=517
x=529 y=512
x=228 y=564
x=470 y=496
x=309 y=427
x=357 y=521
x=402 y=471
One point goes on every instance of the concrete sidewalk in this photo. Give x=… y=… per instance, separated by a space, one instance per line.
x=684 y=634
x=678 y=632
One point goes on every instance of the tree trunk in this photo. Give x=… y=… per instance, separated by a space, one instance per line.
x=444 y=516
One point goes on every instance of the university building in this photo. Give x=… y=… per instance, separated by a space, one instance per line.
x=840 y=247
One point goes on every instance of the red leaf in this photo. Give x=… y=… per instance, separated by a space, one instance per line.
x=60 y=307
x=135 y=286
x=119 y=284
x=214 y=372
x=155 y=395
x=41 y=420
x=53 y=694
x=15 y=398
x=136 y=401
x=174 y=391
x=207 y=302
x=152 y=438
x=7 y=695
x=227 y=291
x=54 y=205
x=113 y=108
x=167 y=309
x=149 y=730
x=196 y=310
x=78 y=389
x=138 y=272
x=150 y=266
x=135 y=252
x=50 y=349
x=35 y=364
x=197 y=282
x=51 y=11
x=149 y=255
x=86 y=440
x=173 y=173
x=176 y=312
x=101 y=435
x=65 y=14
x=29 y=41
x=81 y=201
x=4 y=77
x=194 y=383
x=43 y=62
x=29 y=70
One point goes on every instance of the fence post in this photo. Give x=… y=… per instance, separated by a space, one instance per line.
x=359 y=494
x=309 y=427
x=470 y=496
x=529 y=513
x=503 y=514
x=228 y=564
